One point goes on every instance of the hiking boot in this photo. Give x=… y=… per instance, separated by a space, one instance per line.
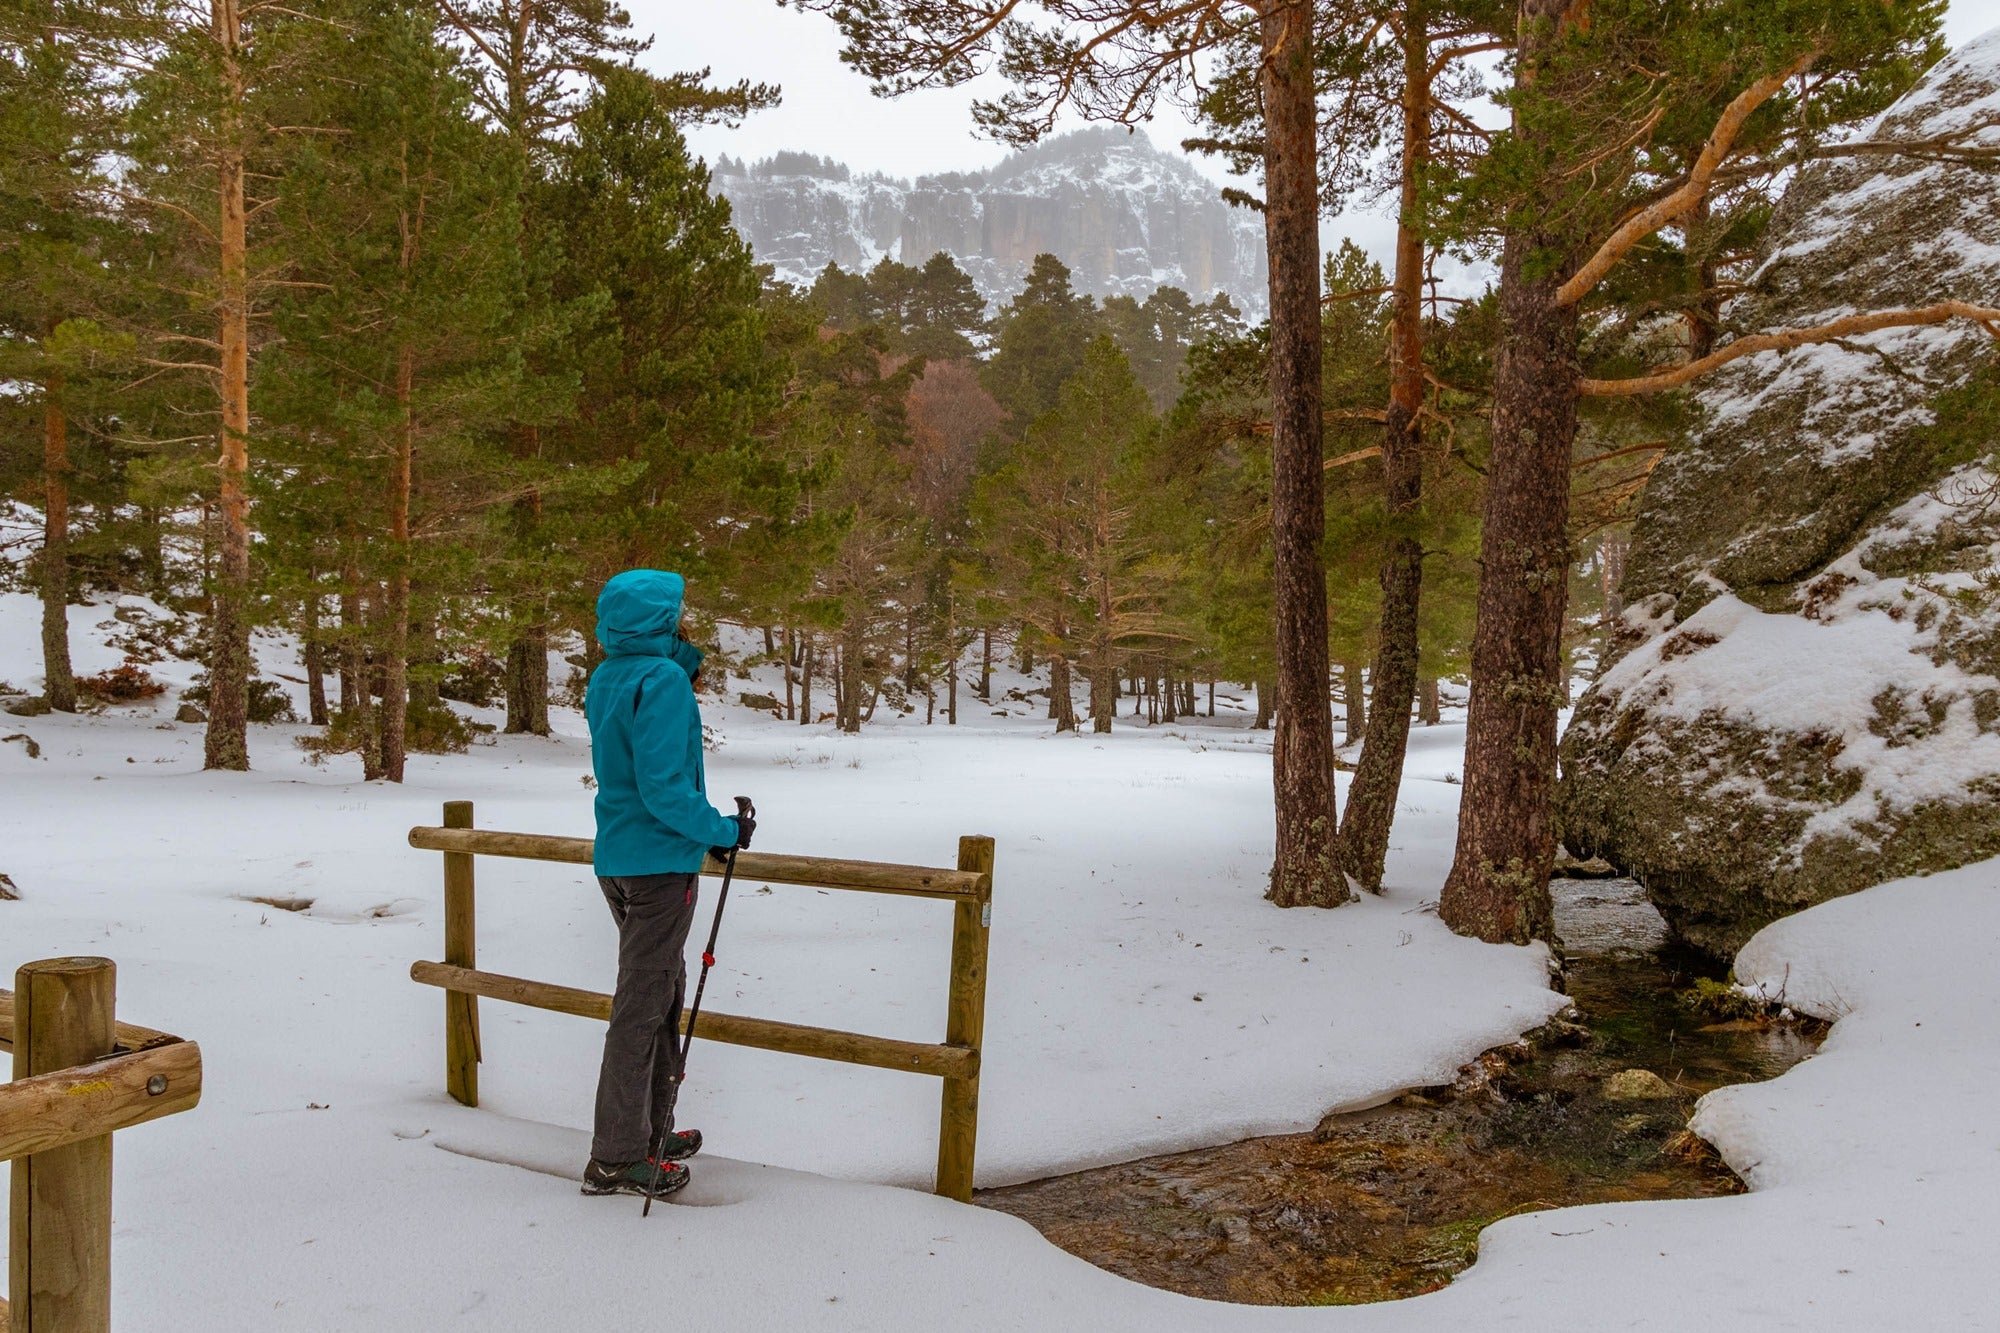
x=633 y=1178
x=678 y=1143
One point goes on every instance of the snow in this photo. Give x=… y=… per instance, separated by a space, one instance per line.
x=326 y=1182
x=1852 y=395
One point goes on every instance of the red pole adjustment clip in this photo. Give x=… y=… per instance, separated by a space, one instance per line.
x=707 y=959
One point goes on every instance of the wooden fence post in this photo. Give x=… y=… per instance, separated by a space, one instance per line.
x=59 y=1237
x=965 y=1023
x=461 y=1012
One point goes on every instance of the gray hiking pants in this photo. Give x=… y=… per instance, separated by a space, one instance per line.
x=642 y=1051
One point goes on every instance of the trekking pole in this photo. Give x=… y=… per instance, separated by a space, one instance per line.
x=743 y=807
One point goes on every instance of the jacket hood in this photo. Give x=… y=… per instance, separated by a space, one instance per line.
x=639 y=615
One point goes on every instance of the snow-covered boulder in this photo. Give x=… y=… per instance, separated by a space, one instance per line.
x=1805 y=697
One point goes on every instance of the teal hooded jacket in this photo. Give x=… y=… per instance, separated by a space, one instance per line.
x=653 y=814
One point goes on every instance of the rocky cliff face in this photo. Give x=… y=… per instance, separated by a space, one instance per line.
x=1806 y=697
x=1124 y=216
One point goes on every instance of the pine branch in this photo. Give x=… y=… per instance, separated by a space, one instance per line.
x=1721 y=141
x=1987 y=317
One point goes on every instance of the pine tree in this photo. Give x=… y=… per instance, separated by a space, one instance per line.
x=1038 y=343
x=1058 y=527
x=535 y=67
x=402 y=342
x=58 y=241
x=211 y=97
x=673 y=368
x=1580 y=185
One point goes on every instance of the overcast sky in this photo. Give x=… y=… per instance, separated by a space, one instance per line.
x=827 y=108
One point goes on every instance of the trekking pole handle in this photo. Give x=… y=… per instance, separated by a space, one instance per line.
x=744 y=807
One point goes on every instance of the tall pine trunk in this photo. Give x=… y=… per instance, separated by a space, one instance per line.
x=1354 y=702
x=1306 y=871
x=427 y=657
x=348 y=607
x=806 y=665
x=1371 y=798
x=849 y=706
x=986 y=666
x=396 y=605
x=1062 y=704
x=951 y=680
x=528 y=683
x=227 y=745
x=60 y=687
x=1103 y=670
x=314 y=652
x=1498 y=889
x=1430 y=709
x=152 y=554
x=791 y=710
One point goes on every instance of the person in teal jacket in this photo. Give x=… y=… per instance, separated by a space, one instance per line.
x=654 y=827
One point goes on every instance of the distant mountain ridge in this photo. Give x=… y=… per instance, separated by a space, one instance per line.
x=1125 y=217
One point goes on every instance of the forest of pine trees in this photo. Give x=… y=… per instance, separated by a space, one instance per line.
x=405 y=362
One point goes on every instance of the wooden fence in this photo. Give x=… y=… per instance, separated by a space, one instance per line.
x=969 y=888
x=79 y=1075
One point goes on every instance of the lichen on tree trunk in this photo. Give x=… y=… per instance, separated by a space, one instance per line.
x=1371 y=797
x=1498 y=889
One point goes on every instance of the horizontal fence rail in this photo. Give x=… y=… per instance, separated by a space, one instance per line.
x=79 y=1077
x=83 y=1102
x=765 y=1034
x=968 y=887
x=762 y=867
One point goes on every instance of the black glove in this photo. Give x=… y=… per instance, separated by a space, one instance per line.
x=746 y=824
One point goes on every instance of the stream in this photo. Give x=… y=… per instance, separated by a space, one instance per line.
x=1389 y=1202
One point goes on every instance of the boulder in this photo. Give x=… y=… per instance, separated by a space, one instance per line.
x=189 y=713
x=1638 y=1085
x=32 y=706
x=1804 y=695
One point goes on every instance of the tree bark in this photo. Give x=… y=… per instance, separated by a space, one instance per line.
x=396 y=605
x=986 y=666
x=806 y=683
x=1371 y=797
x=528 y=683
x=350 y=641
x=426 y=658
x=152 y=558
x=227 y=744
x=951 y=642
x=1498 y=889
x=1430 y=710
x=1306 y=870
x=1264 y=690
x=60 y=679
x=1354 y=700
x=1061 y=704
x=791 y=712
x=850 y=680
x=315 y=653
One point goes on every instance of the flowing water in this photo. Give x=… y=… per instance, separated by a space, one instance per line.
x=1389 y=1202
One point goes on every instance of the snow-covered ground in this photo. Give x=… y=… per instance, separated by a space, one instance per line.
x=1143 y=997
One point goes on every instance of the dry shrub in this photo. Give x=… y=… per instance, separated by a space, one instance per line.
x=121 y=685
